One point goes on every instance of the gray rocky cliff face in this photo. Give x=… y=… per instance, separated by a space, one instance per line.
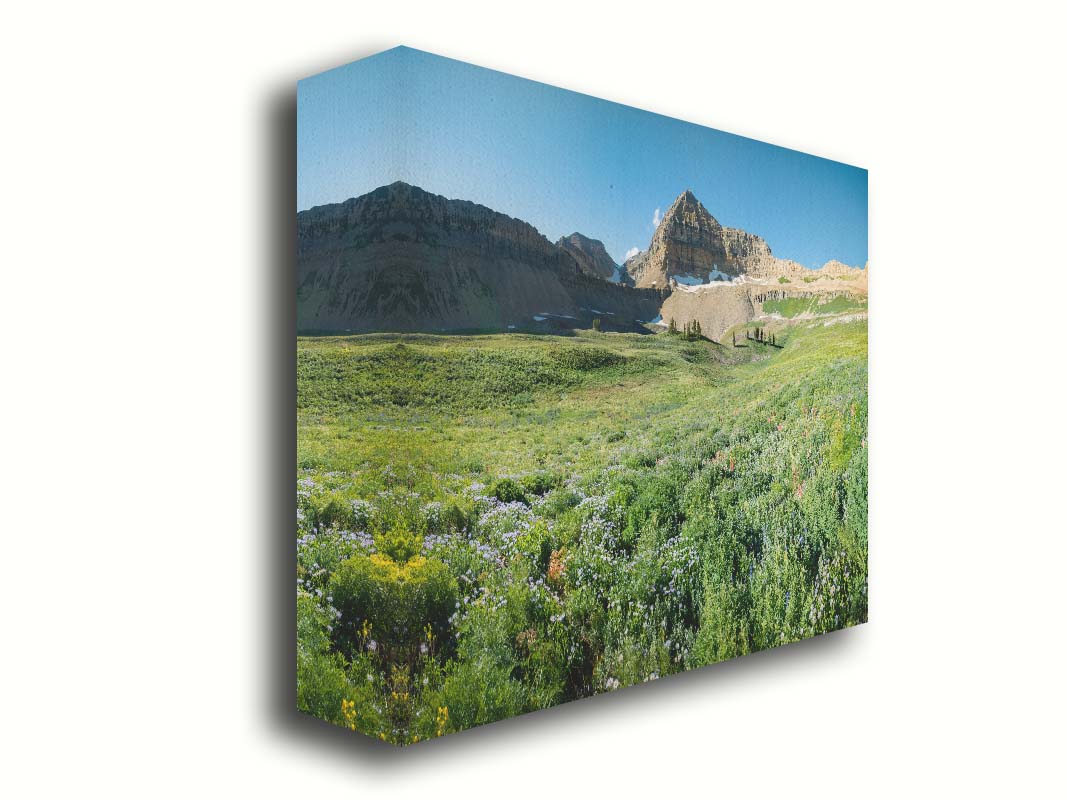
x=591 y=255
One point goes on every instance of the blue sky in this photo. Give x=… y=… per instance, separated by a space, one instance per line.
x=560 y=160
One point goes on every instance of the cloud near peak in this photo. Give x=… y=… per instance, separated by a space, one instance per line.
x=633 y=251
x=656 y=218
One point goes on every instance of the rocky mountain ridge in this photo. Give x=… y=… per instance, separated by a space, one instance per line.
x=690 y=245
x=402 y=259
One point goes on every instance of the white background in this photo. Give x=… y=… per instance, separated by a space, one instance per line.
x=147 y=198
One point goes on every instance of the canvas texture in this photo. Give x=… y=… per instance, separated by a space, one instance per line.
x=566 y=424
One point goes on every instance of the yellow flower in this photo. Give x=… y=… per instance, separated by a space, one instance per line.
x=442 y=719
x=348 y=710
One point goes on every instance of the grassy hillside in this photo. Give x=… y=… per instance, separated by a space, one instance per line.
x=795 y=306
x=493 y=524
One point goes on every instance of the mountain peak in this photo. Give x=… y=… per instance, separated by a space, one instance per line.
x=590 y=254
x=688 y=242
x=688 y=211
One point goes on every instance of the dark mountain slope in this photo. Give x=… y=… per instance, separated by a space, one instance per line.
x=402 y=259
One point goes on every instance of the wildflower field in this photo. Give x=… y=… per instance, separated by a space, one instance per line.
x=490 y=525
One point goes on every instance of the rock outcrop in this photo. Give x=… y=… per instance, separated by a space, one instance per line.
x=688 y=241
x=591 y=255
x=402 y=259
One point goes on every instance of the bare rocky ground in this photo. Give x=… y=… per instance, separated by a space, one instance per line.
x=725 y=305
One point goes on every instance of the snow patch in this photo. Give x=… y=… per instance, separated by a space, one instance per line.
x=688 y=283
x=716 y=276
x=616 y=277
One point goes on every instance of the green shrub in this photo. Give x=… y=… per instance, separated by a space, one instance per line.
x=541 y=482
x=585 y=358
x=656 y=508
x=400 y=544
x=724 y=626
x=330 y=510
x=397 y=601
x=507 y=491
x=537 y=545
x=480 y=691
x=559 y=501
x=480 y=686
x=321 y=684
x=457 y=514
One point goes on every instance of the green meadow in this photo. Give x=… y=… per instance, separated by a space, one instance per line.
x=489 y=525
x=795 y=306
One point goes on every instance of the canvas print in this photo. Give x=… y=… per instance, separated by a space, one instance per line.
x=581 y=396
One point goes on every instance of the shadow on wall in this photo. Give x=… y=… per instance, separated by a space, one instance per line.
x=277 y=510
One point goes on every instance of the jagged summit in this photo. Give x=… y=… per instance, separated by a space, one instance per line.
x=690 y=246
x=689 y=241
x=687 y=210
x=590 y=254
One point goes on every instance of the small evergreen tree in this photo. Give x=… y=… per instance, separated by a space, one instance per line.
x=672 y=328
x=596 y=324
